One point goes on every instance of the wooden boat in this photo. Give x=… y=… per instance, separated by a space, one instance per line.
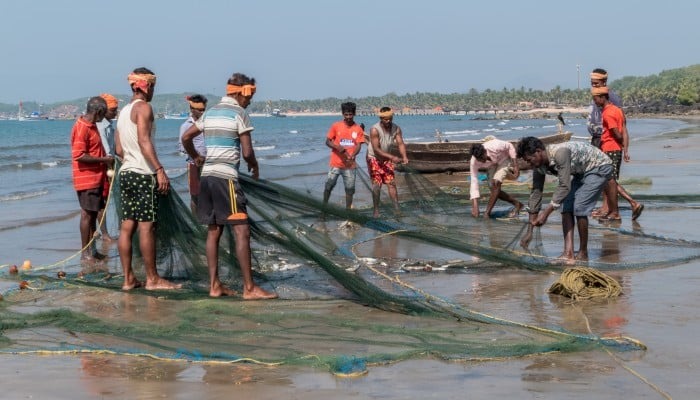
x=428 y=157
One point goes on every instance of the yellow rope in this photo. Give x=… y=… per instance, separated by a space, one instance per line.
x=583 y=283
x=622 y=364
x=87 y=246
x=144 y=355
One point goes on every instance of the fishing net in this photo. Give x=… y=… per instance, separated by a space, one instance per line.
x=316 y=257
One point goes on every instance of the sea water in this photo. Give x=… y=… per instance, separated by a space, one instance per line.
x=36 y=191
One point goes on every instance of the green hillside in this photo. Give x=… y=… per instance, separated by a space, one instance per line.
x=675 y=91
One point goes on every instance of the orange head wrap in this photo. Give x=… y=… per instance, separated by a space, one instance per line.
x=597 y=91
x=599 y=76
x=196 y=105
x=245 y=90
x=112 y=102
x=141 y=81
x=386 y=114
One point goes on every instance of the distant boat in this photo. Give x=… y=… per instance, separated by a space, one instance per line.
x=277 y=113
x=444 y=156
x=182 y=115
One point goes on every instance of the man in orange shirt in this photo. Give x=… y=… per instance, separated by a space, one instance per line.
x=615 y=143
x=90 y=162
x=345 y=139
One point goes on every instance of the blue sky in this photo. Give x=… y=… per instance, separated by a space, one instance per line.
x=303 y=49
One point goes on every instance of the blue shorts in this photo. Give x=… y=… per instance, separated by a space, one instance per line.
x=348 y=174
x=585 y=190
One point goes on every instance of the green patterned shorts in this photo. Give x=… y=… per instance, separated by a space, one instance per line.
x=138 y=196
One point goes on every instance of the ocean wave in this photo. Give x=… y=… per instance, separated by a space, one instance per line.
x=35 y=165
x=23 y=195
x=35 y=146
x=38 y=221
x=263 y=148
x=290 y=154
x=466 y=131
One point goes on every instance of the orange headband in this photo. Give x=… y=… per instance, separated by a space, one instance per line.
x=111 y=101
x=245 y=90
x=599 y=76
x=597 y=91
x=141 y=81
x=386 y=114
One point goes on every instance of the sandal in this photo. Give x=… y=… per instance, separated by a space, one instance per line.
x=637 y=211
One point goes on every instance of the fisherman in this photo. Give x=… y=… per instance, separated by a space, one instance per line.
x=90 y=163
x=380 y=162
x=106 y=128
x=582 y=171
x=500 y=158
x=345 y=139
x=142 y=179
x=227 y=129
x=198 y=104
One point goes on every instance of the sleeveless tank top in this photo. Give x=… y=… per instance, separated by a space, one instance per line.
x=128 y=137
x=385 y=140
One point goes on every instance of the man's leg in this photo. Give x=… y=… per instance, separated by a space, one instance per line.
x=251 y=291
x=330 y=184
x=582 y=223
x=128 y=227
x=376 y=192
x=216 y=289
x=147 y=242
x=394 y=195
x=567 y=224
x=87 y=220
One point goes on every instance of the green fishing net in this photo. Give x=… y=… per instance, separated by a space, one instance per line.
x=343 y=305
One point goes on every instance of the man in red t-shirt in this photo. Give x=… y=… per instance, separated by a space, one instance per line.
x=615 y=143
x=345 y=139
x=90 y=162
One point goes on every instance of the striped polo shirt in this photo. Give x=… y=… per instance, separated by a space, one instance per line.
x=222 y=126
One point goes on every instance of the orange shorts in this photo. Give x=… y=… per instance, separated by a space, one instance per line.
x=380 y=171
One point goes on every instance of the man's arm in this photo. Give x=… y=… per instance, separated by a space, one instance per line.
x=249 y=154
x=188 y=144
x=142 y=115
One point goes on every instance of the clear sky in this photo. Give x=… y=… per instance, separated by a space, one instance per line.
x=305 y=49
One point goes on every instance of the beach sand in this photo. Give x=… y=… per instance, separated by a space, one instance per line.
x=659 y=308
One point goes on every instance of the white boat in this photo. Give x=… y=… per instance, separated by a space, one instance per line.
x=277 y=113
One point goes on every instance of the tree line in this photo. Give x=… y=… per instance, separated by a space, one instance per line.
x=675 y=90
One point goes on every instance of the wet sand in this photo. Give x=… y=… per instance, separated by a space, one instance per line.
x=659 y=308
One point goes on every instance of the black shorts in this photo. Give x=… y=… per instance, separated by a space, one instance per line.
x=616 y=157
x=221 y=202
x=91 y=199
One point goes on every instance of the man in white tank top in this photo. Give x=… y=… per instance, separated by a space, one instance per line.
x=142 y=180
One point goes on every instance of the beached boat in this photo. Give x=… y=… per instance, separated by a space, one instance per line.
x=444 y=156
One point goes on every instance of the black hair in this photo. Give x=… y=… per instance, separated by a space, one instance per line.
x=240 y=79
x=96 y=105
x=348 y=107
x=527 y=146
x=197 y=98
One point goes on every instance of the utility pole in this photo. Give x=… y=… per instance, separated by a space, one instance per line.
x=578 y=76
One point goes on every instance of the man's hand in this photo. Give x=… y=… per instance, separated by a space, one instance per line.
x=163 y=181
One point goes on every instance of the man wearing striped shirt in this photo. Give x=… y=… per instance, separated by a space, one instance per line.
x=90 y=162
x=227 y=132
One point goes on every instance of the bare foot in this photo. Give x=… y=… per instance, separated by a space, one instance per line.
x=218 y=290
x=599 y=212
x=258 y=293
x=581 y=256
x=107 y=238
x=516 y=211
x=563 y=260
x=375 y=214
x=131 y=284
x=162 y=284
